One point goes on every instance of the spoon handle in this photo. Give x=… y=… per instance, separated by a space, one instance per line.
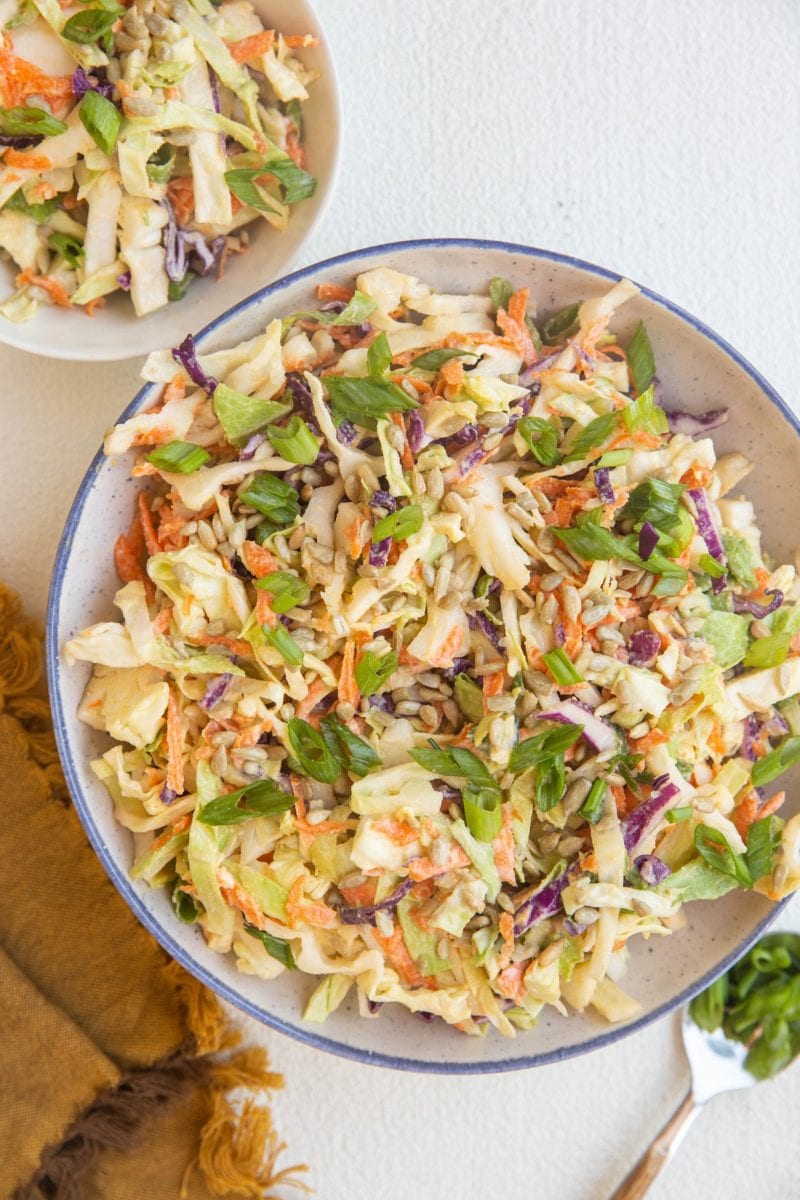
x=637 y=1182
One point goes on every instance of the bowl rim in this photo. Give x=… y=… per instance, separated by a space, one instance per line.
x=119 y=877
x=323 y=197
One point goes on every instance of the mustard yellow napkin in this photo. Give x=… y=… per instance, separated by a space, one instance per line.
x=117 y=1066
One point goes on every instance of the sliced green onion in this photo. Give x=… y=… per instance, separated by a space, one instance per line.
x=483 y=812
x=276 y=947
x=312 y=752
x=99 y=116
x=240 y=415
x=24 y=121
x=641 y=361
x=615 y=458
x=184 y=905
x=39 y=212
x=708 y=1009
x=761 y=845
x=710 y=566
x=593 y=435
x=434 y=360
x=70 y=249
x=500 y=292
x=87 y=27
x=769 y=651
x=469 y=698
x=177 y=288
x=560 y=667
x=399 y=525
x=776 y=762
x=456 y=761
x=483 y=585
x=541 y=438
x=275 y=499
x=243 y=183
x=564 y=322
x=537 y=749
x=183 y=457
x=550 y=783
x=657 y=502
x=675 y=815
x=359 y=756
x=643 y=414
x=288 y=590
x=263 y=798
x=592 y=807
x=715 y=848
x=373 y=670
x=281 y=640
x=379 y=357
x=294 y=441
x=365 y=401
x=161 y=164
x=297 y=184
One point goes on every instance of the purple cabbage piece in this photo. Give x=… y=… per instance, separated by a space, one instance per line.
x=706 y=526
x=648 y=540
x=644 y=647
x=776 y=726
x=124 y=281
x=205 y=255
x=334 y=306
x=751 y=727
x=251 y=445
x=186 y=355
x=212 y=80
x=448 y=792
x=691 y=423
x=526 y=378
x=651 y=869
x=586 y=360
x=215 y=691
x=470 y=461
x=416 y=432
x=18 y=143
x=573 y=928
x=559 y=633
x=383 y=701
x=83 y=83
x=301 y=392
x=168 y=795
x=427 y=1017
x=492 y=632
x=382 y=499
x=596 y=731
x=365 y=914
x=639 y=824
x=741 y=604
x=602 y=481
x=546 y=903
x=659 y=782
x=457 y=666
x=379 y=553
x=175 y=253
x=346 y=433
x=373 y=1007
x=463 y=437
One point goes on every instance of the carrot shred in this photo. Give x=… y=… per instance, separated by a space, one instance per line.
x=54 y=287
x=396 y=952
x=503 y=848
x=363 y=893
x=517 y=333
x=20 y=79
x=420 y=869
x=236 y=645
x=177 y=827
x=407 y=457
x=510 y=981
x=264 y=613
x=300 y=40
x=320 y=916
x=128 y=551
x=253 y=46
x=333 y=291
x=258 y=560
x=26 y=161
x=506 y=924
x=316 y=691
x=654 y=738
x=180 y=192
x=174 y=745
x=146 y=517
x=239 y=898
x=399 y=832
x=348 y=690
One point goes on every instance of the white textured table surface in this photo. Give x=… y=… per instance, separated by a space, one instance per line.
x=658 y=139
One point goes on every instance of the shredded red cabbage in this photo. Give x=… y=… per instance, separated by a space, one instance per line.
x=644 y=647
x=741 y=604
x=526 y=378
x=463 y=437
x=417 y=436
x=706 y=526
x=168 y=795
x=691 y=423
x=602 y=481
x=215 y=691
x=546 y=903
x=651 y=869
x=751 y=727
x=365 y=914
x=471 y=460
x=383 y=701
x=559 y=633
x=488 y=628
x=186 y=355
x=251 y=445
x=301 y=392
x=379 y=553
x=18 y=143
x=459 y=665
x=83 y=83
x=124 y=281
x=639 y=824
x=382 y=499
x=648 y=540
x=597 y=732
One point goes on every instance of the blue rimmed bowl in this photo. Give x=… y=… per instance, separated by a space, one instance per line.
x=698 y=371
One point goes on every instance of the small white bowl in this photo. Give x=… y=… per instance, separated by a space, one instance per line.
x=115 y=332
x=698 y=371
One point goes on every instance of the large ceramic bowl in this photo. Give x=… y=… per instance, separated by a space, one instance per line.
x=115 y=332
x=699 y=371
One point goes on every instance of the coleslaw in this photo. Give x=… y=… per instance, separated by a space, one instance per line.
x=448 y=661
x=138 y=143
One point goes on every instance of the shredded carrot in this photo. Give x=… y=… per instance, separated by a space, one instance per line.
x=716 y=739
x=174 y=745
x=162 y=622
x=299 y=40
x=180 y=192
x=654 y=738
x=333 y=291
x=751 y=810
x=449 y=648
x=492 y=686
x=308 y=831
x=506 y=923
x=510 y=981
x=503 y=848
x=399 y=832
x=316 y=691
x=264 y=613
x=697 y=476
x=517 y=331
x=128 y=551
x=423 y=868
x=354 y=535
x=236 y=645
x=620 y=799
x=399 y=958
x=253 y=46
x=148 y=529
x=307 y=912
x=54 y=287
x=453 y=374
x=93 y=306
x=363 y=893
x=258 y=560
x=25 y=160
x=239 y=898
x=20 y=79
x=177 y=827
x=348 y=690
x=406 y=456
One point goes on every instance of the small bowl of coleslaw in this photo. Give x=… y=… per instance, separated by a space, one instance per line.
x=157 y=163
x=424 y=648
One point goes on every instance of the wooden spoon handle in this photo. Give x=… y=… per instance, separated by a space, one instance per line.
x=637 y=1182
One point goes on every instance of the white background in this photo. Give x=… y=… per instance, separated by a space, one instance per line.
x=658 y=138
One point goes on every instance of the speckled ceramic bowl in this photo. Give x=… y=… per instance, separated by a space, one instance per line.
x=115 y=332
x=696 y=368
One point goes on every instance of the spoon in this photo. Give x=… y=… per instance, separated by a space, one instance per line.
x=717 y=1065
